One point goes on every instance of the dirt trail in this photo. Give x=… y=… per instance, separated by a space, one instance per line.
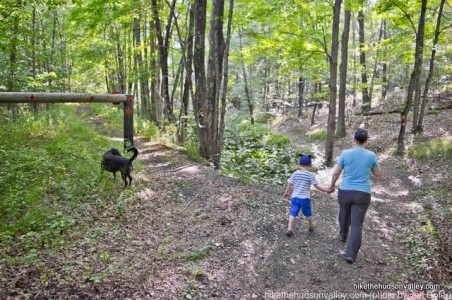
x=191 y=233
x=206 y=236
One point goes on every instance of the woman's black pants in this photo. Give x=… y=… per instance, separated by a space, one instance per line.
x=352 y=210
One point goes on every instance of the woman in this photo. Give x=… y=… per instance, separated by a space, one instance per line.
x=358 y=164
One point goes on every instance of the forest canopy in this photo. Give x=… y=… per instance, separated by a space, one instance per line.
x=188 y=62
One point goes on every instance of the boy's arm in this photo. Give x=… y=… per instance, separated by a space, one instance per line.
x=287 y=191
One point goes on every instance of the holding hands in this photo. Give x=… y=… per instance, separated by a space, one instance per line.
x=331 y=189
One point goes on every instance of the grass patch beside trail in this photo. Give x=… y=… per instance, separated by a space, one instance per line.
x=439 y=147
x=50 y=179
x=317 y=134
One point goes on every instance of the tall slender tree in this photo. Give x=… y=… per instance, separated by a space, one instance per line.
x=224 y=87
x=163 y=46
x=341 y=132
x=214 y=77
x=414 y=79
x=419 y=126
x=362 y=61
x=329 y=146
x=200 y=97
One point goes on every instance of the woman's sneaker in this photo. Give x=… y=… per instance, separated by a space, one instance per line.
x=289 y=233
x=347 y=258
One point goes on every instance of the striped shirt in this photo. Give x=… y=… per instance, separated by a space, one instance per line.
x=302 y=181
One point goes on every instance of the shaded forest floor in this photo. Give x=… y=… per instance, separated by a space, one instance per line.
x=191 y=233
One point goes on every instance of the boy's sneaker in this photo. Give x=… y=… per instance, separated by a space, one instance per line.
x=311 y=229
x=289 y=233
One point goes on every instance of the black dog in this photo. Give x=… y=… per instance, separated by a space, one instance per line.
x=113 y=161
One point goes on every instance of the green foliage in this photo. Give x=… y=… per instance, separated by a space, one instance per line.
x=317 y=134
x=191 y=148
x=196 y=273
x=198 y=253
x=437 y=148
x=256 y=152
x=50 y=176
x=163 y=246
x=146 y=128
x=422 y=245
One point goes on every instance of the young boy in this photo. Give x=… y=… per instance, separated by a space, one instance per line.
x=301 y=181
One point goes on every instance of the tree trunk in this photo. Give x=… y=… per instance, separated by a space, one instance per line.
x=187 y=89
x=163 y=45
x=214 y=76
x=355 y=78
x=384 y=71
x=121 y=64
x=414 y=79
x=224 y=87
x=33 y=53
x=12 y=66
x=376 y=62
x=316 y=90
x=200 y=99
x=301 y=85
x=419 y=125
x=266 y=87
x=329 y=147
x=341 y=132
x=245 y=81
x=362 y=61
x=155 y=77
x=142 y=73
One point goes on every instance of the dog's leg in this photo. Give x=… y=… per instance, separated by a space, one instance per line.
x=124 y=178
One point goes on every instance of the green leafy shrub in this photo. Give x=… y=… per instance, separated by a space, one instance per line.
x=146 y=129
x=277 y=140
x=317 y=134
x=49 y=178
x=258 y=153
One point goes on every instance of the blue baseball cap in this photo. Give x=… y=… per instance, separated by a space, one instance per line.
x=306 y=160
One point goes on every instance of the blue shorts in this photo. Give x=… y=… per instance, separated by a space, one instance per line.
x=303 y=204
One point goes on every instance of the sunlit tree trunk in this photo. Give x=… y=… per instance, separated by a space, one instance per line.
x=224 y=87
x=245 y=81
x=419 y=126
x=341 y=131
x=121 y=63
x=155 y=110
x=140 y=66
x=187 y=89
x=414 y=79
x=163 y=46
x=376 y=61
x=362 y=61
x=329 y=147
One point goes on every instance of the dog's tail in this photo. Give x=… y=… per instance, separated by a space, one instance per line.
x=135 y=153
